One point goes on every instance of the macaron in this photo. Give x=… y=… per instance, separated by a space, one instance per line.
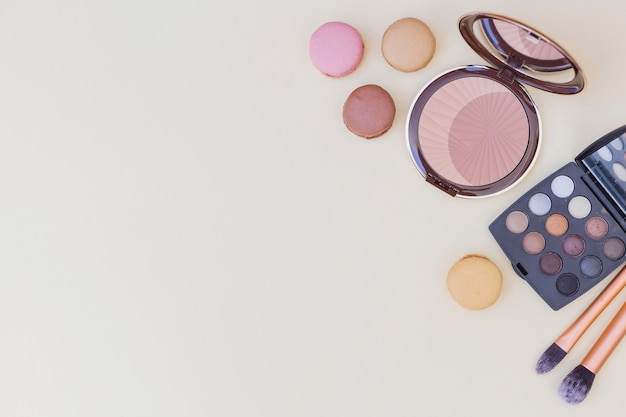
x=336 y=49
x=475 y=282
x=369 y=111
x=408 y=44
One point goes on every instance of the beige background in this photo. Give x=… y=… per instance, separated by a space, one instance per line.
x=188 y=229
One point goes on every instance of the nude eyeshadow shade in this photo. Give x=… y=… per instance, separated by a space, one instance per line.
x=567 y=233
x=474 y=131
x=556 y=224
x=516 y=221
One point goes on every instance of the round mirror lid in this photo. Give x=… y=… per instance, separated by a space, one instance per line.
x=521 y=52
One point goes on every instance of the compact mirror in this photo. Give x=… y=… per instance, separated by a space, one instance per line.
x=535 y=52
x=522 y=52
x=605 y=161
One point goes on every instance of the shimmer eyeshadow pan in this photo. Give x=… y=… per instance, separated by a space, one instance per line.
x=569 y=231
x=474 y=131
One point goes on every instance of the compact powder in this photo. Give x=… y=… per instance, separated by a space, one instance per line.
x=473 y=131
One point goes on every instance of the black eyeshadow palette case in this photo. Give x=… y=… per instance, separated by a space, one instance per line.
x=568 y=232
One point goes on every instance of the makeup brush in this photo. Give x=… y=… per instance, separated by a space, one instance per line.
x=576 y=384
x=557 y=351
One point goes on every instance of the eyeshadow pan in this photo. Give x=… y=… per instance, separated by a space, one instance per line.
x=533 y=243
x=551 y=263
x=591 y=266
x=567 y=284
x=596 y=227
x=613 y=248
x=556 y=224
x=579 y=207
x=539 y=204
x=516 y=222
x=562 y=186
x=573 y=245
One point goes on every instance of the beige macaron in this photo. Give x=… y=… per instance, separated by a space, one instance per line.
x=474 y=282
x=408 y=44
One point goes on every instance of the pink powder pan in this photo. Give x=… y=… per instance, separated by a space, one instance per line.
x=474 y=131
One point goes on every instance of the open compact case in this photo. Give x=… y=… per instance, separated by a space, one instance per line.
x=569 y=232
x=474 y=131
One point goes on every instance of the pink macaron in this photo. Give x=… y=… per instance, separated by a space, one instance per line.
x=336 y=49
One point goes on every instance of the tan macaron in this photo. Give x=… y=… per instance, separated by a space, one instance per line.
x=408 y=44
x=475 y=282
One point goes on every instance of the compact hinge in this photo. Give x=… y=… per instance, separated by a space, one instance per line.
x=508 y=71
x=445 y=187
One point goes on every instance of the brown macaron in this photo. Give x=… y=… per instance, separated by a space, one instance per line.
x=408 y=44
x=369 y=111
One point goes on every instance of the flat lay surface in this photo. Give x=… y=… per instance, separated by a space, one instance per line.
x=190 y=229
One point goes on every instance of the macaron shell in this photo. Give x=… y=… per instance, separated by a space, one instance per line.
x=336 y=49
x=408 y=44
x=474 y=282
x=369 y=111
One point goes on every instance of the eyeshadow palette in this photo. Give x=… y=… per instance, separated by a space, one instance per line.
x=568 y=232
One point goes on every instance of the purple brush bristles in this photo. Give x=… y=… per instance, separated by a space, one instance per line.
x=576 y=385
x=550 y=358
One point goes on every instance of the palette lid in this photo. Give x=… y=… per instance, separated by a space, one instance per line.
x=522 y=53
x=604 y=163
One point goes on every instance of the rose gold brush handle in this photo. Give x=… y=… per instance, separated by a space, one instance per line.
x=571 y=335
x=607 y=342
